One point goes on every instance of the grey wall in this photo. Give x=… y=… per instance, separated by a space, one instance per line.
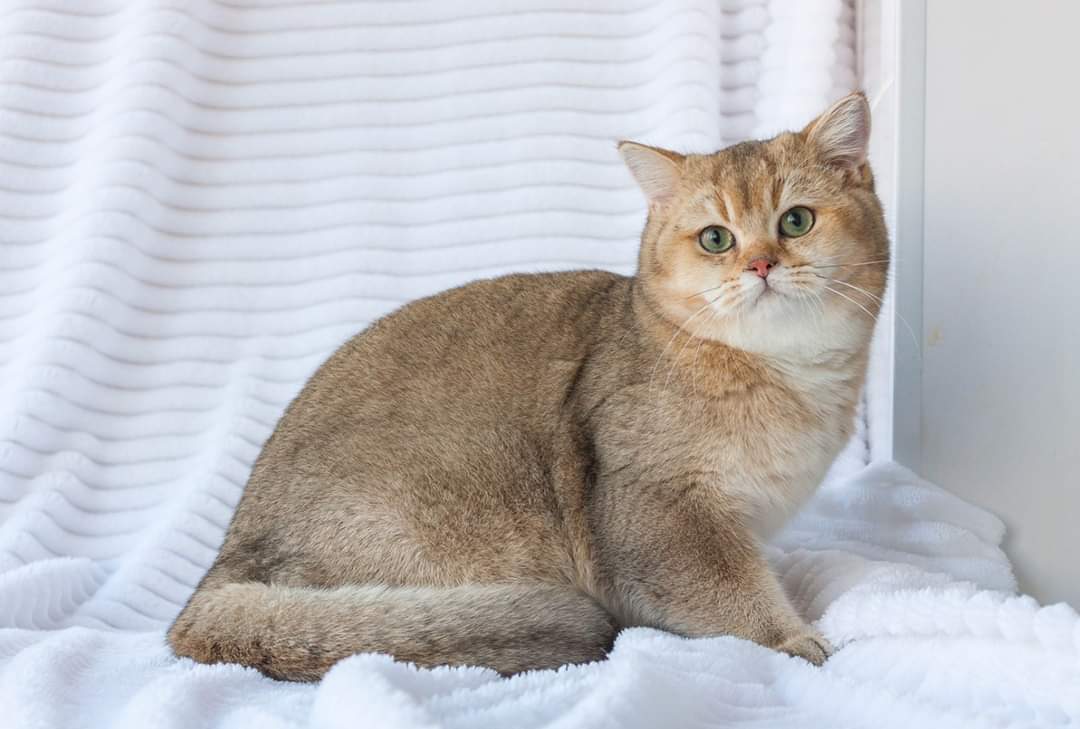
x=1001 y=293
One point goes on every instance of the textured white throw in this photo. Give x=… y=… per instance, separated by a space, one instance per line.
x=200 y=200
x=868 y=558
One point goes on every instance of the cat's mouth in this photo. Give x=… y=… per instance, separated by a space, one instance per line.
x=763 y=291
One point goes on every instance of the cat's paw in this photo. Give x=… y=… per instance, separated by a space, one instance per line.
x=808 y=646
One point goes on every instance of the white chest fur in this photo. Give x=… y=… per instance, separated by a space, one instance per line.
x=773 y=464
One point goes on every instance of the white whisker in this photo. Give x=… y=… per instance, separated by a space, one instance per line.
x=853 y=301
x=914 y=339
x=814 y=297
x=697 y=351
x=851 y=265
x=702 y=293
x=678 y=330
x=675 y=361
x=857 y=288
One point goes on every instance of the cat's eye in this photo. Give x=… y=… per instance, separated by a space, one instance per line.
x=716 y=239
x=797 y=221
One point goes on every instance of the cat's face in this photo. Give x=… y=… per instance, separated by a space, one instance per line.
x=776 y=247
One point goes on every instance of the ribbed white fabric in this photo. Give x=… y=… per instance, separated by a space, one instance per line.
x=200 y=200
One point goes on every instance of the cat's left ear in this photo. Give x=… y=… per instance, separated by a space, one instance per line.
x=657 y=171
x=842 y=134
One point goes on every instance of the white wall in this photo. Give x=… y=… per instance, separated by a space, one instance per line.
x=1001 y=289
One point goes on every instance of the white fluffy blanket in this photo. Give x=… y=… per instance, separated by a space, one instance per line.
x=200 y=199
x=894 y=569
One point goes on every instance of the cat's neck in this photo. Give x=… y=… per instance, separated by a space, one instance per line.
x=810 y=368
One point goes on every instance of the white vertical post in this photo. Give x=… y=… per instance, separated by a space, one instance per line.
x=908 y=265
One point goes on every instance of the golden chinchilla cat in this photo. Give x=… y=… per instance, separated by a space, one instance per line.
x=507 y=473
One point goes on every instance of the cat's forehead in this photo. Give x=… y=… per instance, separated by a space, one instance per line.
x=755 y=177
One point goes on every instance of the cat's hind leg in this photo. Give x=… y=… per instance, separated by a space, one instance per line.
x=298 y=633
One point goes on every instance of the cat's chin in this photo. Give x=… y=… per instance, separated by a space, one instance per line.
x=767 y=301
x=768 y=296
x=787 y=325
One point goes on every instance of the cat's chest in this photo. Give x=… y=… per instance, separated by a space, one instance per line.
x=766 y=450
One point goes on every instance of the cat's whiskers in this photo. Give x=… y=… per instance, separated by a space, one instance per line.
x=860 y=289
x=820 y=301
x=697 y=351
x=797 y=279
x=851 y=265
x=701 y=340
x=679 y=330
x=739 y=309
x=881 y=301
x=804 y=293
x=853 y=301
x=708 y=290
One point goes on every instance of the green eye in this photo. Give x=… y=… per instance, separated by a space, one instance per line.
x=715 y=239
x=797 y=221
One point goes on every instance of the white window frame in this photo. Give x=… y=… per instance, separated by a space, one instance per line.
x=891 y=37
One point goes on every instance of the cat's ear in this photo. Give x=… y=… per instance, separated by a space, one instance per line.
x=842 y=134
x=656 y=170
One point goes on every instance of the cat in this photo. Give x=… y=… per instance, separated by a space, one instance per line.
x=508 y=473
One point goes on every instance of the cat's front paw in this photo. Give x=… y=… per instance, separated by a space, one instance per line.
x=809 y=646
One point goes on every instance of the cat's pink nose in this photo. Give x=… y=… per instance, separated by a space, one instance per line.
x=761 y=265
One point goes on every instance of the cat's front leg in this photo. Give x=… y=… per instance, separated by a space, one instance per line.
x=679 y=562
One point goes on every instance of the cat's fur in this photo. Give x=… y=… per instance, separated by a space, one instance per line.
x=507 y=473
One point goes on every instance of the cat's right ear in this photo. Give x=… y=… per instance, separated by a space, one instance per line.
x=657 y=171
x=842 y=134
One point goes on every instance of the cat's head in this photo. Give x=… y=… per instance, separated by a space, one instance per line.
x=776 y=247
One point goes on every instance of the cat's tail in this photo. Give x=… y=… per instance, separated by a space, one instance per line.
x=298 y=633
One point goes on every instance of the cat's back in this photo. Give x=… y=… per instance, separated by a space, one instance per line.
x=497 y=310
x=492 y=351
x=493 y=334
